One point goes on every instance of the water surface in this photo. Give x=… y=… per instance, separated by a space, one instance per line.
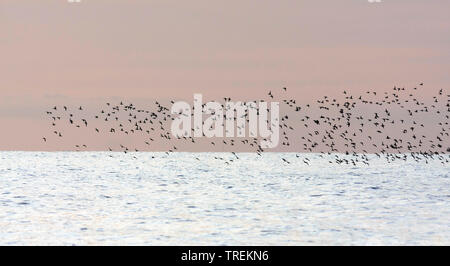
x=90 y=198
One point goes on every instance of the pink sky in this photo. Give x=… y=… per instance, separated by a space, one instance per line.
x=53 y=52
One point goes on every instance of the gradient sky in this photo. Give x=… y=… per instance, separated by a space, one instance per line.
x=53 y=52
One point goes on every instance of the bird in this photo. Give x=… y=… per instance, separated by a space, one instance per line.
x=337 y=127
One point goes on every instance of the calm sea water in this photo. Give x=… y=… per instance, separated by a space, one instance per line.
x=92 y=199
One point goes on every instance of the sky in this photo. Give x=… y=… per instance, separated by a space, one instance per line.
x=53 y=52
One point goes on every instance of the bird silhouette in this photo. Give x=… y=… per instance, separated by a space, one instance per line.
x=396 y=125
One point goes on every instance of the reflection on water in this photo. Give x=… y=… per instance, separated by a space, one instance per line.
x=90 y=198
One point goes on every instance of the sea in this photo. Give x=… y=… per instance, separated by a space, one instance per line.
x=107 y=198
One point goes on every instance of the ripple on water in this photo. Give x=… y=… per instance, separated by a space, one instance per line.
x=179 y=200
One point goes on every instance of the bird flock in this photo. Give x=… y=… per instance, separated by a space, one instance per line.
x=396 y=125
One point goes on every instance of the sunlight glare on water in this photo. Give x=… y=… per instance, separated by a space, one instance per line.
x=88 y=198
